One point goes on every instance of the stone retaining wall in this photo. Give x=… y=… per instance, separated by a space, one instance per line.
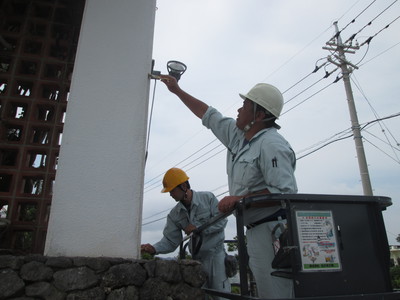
x=57 y=278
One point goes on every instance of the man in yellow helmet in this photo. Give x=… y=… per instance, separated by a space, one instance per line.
x=193 y=210
x=259 y=160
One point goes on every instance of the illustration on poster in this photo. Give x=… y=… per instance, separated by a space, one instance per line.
x=328 y=229
x=311 y=252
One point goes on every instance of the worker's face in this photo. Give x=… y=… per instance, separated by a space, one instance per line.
x=245 y=114
x=177 y=193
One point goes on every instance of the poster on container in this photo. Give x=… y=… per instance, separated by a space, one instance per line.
x=318 y=241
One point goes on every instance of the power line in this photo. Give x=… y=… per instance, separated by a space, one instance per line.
x=190 y=156
x=308 y=98
x=150 y=222
x=369 y=23
x=335 y=136
x=379 y=54
x=296 y=54
x=150 y=119
x=394 y=159
x=353 y=20
x=381 y=119
x=368 y=40
x=155 y=184
x=326 y=143
x=156 y=214
x=345 y=137
x=377 y=117
x=191 y=162
x=301 y=80
x=152 y=187
x=157 y=177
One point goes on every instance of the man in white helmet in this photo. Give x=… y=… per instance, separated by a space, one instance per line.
x=259 y=160
x=193 y=209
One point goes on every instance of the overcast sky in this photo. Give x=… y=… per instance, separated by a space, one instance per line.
x=229 y=46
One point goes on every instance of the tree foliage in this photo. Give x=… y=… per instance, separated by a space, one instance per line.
x=395 y=276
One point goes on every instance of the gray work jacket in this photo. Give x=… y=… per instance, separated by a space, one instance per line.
x=267 y=161
x=204 y=206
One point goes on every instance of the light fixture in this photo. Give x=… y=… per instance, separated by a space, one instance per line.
x=176 y=69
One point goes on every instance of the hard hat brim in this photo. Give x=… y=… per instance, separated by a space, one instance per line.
x=165 y=190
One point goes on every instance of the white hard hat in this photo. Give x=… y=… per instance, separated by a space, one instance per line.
x=267 y=96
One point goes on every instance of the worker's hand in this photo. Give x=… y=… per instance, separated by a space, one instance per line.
x=228 y=203
x=170 y=82
x=188 y=230
x=147 y=248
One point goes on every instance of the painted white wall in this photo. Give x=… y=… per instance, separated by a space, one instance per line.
x=97 y=201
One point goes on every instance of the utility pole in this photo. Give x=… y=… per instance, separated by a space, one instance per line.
x=355 y=126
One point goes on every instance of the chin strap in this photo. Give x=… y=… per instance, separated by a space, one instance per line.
x=186 y=195
x=248 y=126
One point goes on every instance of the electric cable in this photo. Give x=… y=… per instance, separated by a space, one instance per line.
x=327 y=74
x=217 y=188
x=150 y=222
x=178 y=147
x=370 y=22
x=308 y=98
x=156 y=214
x=296 y=96
x=348 y=136
x=178 y=164
x=226 y=192
x=368 y=40
x=296 y=54
x=379 y=54
x=292 y=85
x=323 y=146
x=326 y=143
x=394 y=149
x=335 y=136
x=152 y=186
x=191 y=162
x=362 y=58
x=385 y=118
x=376 y=115
x=372 y=144
x=155 y=185
x=385 y=142
x=150 y=118
x=356 y=17
x=223 y=150
x=310 y=73
x=316 y=69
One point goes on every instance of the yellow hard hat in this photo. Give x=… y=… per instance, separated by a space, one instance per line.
x=173 y=178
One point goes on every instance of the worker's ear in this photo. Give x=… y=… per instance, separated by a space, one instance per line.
x=183 y=187
x=261 y=115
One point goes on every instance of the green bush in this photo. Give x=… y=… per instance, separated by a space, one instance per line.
x=395 y=276
x=147 y=256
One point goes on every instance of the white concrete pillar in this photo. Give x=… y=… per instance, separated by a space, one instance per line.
x=97 y=201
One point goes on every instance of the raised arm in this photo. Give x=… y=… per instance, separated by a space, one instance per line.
x=197 y=106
